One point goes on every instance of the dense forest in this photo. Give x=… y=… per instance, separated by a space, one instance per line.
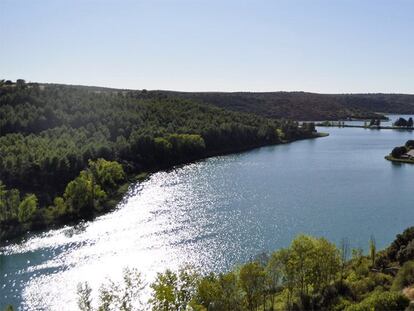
x=306 y=106
x=55 y=137
x=310 y=274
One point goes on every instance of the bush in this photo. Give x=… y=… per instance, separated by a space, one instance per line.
x=410 y=144
x=341 y=305
x=397 y=152
x=401 y=122
x=405 y=276
x=393 y=252
x=381 y=301
x=406 y=253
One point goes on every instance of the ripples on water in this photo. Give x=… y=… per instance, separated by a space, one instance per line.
x=220 y=212
x=164 y=223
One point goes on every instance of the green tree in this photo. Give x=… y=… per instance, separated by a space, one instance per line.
x=84 y=297
x=106 y=174
x=186 y=145
x=174 y=291
x=27 y=208
x=13 y=202
x=3 y=206
x=9 y=203
x=325 y=268
x=252 y=277
x=357 y=255
x=397 y=152
x=274 y=276
x=372 y=250
x=311 y=265
x=231 y=299
x=20 y=83
x=301 y=261
x=209 y=293
x=164 y=292
x=109 y=296
x=82 y=194
x=344 y=256
x=187 y=284
x=60 y=206
x=123 y=296
x=409 y=144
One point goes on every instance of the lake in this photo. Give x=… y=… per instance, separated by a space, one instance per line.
x=222 y=211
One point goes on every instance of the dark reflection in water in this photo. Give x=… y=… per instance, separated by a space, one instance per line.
x=220 y=212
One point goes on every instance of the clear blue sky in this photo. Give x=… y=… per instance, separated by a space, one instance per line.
x=311 y=45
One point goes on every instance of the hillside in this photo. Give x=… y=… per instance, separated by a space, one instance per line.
x=61 y=146
x=305 y=106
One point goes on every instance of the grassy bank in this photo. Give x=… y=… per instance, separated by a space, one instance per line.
x=398 y=160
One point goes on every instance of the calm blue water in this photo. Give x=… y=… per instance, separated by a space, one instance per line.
x=220 y=212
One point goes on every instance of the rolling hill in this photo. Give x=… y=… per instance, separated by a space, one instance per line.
x=305 y=106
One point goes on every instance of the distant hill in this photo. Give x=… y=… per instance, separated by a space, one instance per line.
x=305 y=106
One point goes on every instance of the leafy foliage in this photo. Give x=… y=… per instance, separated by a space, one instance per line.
x=381 y=301
x=401 y=122
x=307 y=275
x=27 y=208
x=82 y=198
x=398 y=152
x=50 y=133
x=405 y=276
x=173 y=291
x=123 y=296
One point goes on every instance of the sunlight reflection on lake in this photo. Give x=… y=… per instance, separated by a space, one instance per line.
x=220 y=212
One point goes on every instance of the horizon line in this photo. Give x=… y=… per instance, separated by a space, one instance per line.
x=213 y=91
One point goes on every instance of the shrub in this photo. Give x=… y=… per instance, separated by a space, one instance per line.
x=381 y=301
x=27 y=208
x=401 y=122
x=406 y=253
x=401 y=242
x=405 y=276
x=397 y=152
x=410 y=144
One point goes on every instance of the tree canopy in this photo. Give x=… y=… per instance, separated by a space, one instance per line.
x=51 y=133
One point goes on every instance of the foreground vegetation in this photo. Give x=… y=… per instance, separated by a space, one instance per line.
x=50 y=134
x=400 y=154
x=310 y=274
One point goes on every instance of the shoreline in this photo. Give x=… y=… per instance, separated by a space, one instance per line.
x=396 y=160
x=369 y=127
x=17 y=234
